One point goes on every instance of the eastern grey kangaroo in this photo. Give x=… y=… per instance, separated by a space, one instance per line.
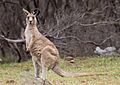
x=44 y=53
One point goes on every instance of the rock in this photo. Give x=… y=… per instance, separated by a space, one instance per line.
x=99 y=51
x=110 y=49
x=27 y=78
x=106 y=51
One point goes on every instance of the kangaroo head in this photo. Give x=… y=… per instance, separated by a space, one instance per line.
x=31 y=18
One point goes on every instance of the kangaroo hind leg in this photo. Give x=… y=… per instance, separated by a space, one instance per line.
x=36 y=68
x=44 y=72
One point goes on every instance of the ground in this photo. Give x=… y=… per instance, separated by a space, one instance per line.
x=23 y=73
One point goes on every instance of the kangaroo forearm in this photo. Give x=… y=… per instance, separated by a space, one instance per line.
x=28 y=46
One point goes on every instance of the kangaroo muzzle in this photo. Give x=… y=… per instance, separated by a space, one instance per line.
x=30 y=20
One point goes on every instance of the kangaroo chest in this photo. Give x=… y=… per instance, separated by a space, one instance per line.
x=28 y=36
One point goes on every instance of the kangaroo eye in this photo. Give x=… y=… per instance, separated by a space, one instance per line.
x=28 y=17
x=33 y=17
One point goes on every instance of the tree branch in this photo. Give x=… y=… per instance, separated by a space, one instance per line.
x=102 y=23
x=13 y=41
x=92 y=42
x=10 y=2
x=99 y=44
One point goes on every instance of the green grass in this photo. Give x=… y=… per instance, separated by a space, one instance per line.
x=15 y=73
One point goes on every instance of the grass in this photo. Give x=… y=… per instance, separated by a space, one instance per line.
x=16 y=73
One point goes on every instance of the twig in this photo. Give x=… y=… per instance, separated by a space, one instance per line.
x=66 y=27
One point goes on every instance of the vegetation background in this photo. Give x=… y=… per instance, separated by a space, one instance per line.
x=75 y=26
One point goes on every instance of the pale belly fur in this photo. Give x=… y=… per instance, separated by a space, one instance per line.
x=28 y=36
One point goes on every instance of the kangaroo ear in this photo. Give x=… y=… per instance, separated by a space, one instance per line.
x=36 y=12
x=25 y=11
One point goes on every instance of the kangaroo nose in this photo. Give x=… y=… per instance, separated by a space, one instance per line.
x=30 y=21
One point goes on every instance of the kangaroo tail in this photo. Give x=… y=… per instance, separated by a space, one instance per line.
x=62 y=73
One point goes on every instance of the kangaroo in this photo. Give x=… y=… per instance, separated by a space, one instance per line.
x=44 y=53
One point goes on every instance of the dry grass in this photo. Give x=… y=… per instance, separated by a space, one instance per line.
x=22 y=73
